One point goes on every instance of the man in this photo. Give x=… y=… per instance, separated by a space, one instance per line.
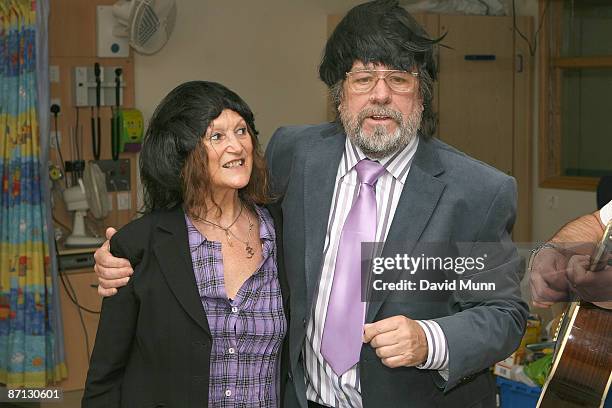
x=377 y=175
x=560 y=267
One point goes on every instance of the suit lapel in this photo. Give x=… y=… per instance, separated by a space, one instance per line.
x=275 y=211
x=172 y=251
x=320 y=171
x=417 y=202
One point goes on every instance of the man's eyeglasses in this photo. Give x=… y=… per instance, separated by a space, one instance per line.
x=364 y=80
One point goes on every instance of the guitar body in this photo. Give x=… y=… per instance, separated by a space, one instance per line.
x=581 y=372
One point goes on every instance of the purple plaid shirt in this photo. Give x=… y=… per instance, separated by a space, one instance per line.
x=247 y=331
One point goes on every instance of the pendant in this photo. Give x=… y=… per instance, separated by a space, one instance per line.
x=249 y=251
x=229 y=238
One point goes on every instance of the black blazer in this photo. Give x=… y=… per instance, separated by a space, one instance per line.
x=153 y=342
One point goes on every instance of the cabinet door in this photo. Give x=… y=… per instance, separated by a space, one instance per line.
x=476 y=87
x=431 y=24
x=77 y=355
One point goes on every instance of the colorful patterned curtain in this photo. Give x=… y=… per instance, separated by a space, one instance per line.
x=29 y=354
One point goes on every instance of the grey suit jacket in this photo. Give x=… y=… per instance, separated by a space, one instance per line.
x=448 y=196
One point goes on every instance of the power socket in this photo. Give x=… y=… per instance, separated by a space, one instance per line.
x=117 y=174
x=58 y=102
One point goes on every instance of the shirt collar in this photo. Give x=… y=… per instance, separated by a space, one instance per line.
x=266 y=225
x=195 y=237
x=397 y=164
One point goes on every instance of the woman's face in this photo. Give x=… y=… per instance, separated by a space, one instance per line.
x=230 y=152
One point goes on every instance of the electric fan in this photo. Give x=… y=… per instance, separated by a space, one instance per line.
x=89 y=194
x=146 y=23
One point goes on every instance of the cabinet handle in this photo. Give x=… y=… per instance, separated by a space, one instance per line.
x=479 y=57
x=519 y=63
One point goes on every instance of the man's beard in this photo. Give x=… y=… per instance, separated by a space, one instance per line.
x=380 y=143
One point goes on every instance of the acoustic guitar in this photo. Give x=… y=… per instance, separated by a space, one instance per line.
x=581 y=371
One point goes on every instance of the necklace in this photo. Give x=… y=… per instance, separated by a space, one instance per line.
x=221 y=227
x=247 y=246
x=229 y=233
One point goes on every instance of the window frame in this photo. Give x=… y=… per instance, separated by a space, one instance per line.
x=550 y=135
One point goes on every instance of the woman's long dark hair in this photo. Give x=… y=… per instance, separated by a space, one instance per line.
x=173 y=161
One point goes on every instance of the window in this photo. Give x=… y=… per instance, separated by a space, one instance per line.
x=575 y=93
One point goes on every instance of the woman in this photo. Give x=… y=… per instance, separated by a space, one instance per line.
x=201 y=321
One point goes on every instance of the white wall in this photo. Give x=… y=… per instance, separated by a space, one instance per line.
x=266 y=50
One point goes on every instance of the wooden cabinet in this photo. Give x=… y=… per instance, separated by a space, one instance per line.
x=81 y=284
x=476 y=88
x=485 y=99
x=483 y=96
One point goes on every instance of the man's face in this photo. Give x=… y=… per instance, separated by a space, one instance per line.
x=382 y=121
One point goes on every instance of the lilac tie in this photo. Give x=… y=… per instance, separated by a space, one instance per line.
x=343 y=332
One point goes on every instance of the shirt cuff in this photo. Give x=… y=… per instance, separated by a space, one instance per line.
x=437 y=354
x=606 y=213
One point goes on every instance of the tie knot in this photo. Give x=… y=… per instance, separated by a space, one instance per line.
x=369 y=171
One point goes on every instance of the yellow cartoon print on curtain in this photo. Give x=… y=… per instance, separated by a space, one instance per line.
x=27 y=340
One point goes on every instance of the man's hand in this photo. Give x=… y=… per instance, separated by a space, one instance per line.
x=112 y=272
x=398 y=341
x=588 y=285
x=548 y=279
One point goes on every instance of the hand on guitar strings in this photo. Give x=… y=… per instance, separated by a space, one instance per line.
x=594 y=287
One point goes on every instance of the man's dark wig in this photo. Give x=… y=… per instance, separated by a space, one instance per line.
x=176 y=128
x=382 y=32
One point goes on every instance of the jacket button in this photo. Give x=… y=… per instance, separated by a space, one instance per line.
x=304 y=322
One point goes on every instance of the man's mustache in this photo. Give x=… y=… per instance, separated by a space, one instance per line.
x=379 y=111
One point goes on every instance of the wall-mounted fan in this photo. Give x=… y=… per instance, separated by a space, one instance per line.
x=146 y=23
x=89 y=194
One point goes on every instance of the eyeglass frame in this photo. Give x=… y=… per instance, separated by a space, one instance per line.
x=384 y=78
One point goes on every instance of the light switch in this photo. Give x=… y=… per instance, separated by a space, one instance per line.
x=54 y=140
x=124 y=201
x=54 y=73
